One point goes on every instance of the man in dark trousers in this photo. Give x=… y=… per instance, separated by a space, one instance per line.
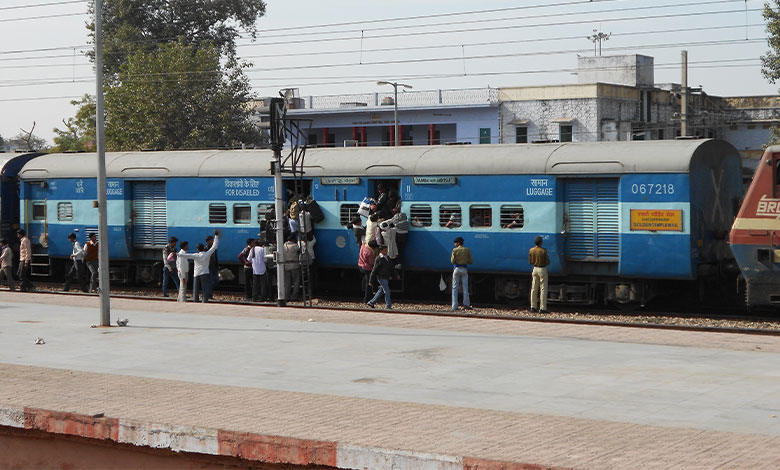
x=460 y=258
x=381 y=274
x=248 y=273
x=169 y=266
x=77 y=268
x=25 y=259
x=539 y=259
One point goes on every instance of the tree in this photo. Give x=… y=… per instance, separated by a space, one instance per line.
x=28 y=141
x=79 y=133
x=770 y=63
x=173 y=79
x=131 y=26
x=178 y=97
x=2 y=144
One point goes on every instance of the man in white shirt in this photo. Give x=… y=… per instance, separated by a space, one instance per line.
x=201 y=271
x=183 y=269
x=77 y=269
x=259 y=286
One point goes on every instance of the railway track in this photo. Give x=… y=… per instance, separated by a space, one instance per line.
x=718 y=320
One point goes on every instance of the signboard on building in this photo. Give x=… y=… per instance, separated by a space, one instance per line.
x=657 y=220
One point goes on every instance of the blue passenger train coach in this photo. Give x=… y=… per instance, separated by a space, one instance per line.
x=620 y=219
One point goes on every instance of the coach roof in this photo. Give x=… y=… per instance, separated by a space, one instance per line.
x=668 y=156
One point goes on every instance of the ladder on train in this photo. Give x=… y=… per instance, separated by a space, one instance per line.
x=40 y=264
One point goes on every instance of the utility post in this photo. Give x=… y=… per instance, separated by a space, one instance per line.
x=100 y=141
x=395 y=86
x=276 y=114
x=684 y=96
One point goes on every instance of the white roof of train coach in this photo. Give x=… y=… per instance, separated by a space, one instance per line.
x=668 y=156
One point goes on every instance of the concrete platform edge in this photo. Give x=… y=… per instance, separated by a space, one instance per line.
x=250 y=446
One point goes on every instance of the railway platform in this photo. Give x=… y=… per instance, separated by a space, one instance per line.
x=375 y=390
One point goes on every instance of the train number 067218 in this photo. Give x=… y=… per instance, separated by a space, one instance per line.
x=652 y=188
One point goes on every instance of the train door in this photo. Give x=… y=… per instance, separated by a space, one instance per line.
x=592 y=220
x=150 y=226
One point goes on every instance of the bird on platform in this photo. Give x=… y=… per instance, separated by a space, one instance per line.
x=122 y=321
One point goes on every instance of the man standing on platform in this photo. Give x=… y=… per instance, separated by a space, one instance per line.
x=7 y=259
x=169 y=265
x=25 y=260
x=539 y=259
x=91 y=258
x=248 y=273
x=460 y=258
x=77 y=268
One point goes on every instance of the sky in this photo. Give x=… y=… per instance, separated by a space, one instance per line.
x=345 y=46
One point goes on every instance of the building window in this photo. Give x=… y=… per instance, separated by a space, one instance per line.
x=484 y=135
x=566 y=133
x=217 y=214
x=450 y=216
x=38 y=210
x=660 y=134
x=64 y=211
x=312 y=141
x=421 y=215
x=347 y=213
x=242 y=213
x=512 y=217
x=262 y=211
x=481 y=216
x=521 y=135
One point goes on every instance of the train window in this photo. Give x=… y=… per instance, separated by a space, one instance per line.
x=450 y=216
x=38 y=210
x=421 y=215
x=512 y=217
x=481 y=216
x=262 y=212
x=348 y=212
x=64 y=211
x=242 y=213
x=217 y=214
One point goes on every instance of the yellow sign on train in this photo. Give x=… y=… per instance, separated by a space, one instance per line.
x=657 y=220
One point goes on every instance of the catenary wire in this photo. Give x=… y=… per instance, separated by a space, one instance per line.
x=703 y=64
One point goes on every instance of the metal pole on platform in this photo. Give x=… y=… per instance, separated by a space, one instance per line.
x=100 y=143
x=279 y=207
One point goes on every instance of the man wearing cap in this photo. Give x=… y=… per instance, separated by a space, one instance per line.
x=460 y=258
x=539 y=259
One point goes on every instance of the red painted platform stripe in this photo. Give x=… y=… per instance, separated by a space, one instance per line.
x=470 y=463
x=73 y=424
x=276 y=449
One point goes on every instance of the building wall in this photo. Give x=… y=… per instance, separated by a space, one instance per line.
x=454 y=124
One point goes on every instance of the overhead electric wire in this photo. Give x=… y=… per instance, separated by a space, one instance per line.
x=298 y=28
x=525 y=18
x=497 y=28
x=496 y=43
x=40 y=17
x=511 y=54
x=371 y=78
x=443 y=15
x=49 y=4
x=442 y=46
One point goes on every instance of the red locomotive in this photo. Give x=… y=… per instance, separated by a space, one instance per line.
x=755 y=235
